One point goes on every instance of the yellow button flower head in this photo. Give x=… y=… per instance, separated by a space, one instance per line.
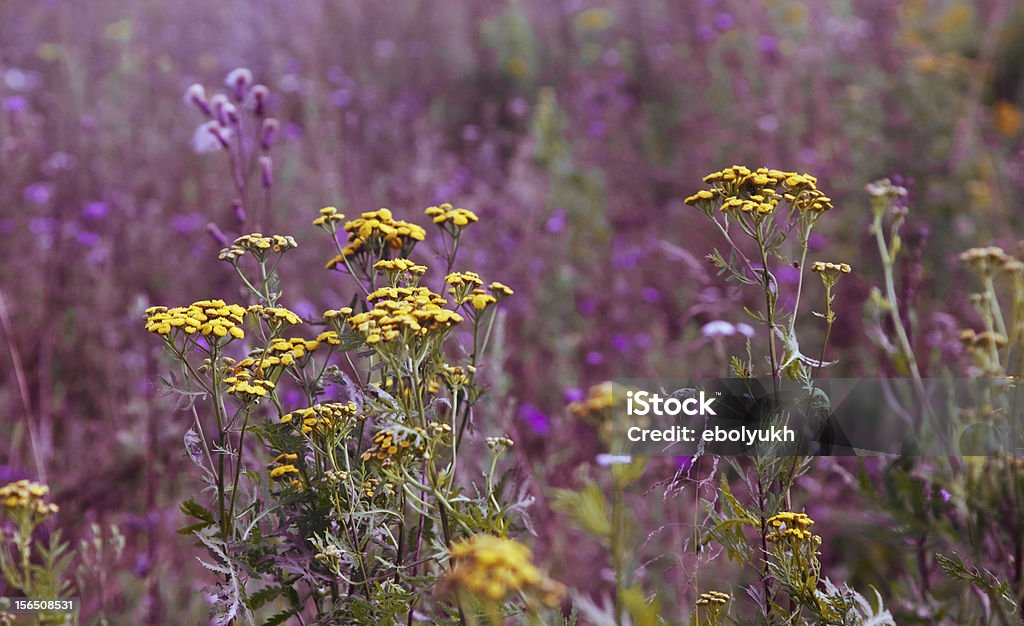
x=791 y=527
x=276 y=317
x=258 y=245
x=830 y=272
x=757 y=193
x=283 y=470
x=376 y=233
x=329 y=218
x=411 y=312
x=391 y=444
x=206 y=317
x=26 y=498
x=323 y=419
x=446 y=215
x=494 y=569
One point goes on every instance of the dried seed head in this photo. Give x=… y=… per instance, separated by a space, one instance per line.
x=238 y=81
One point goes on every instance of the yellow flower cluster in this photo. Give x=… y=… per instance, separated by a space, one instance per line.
x=445 y=214
x=500 y=290
x=275 y=316
x=398 y=310
x=713 y=598
x=390 y=444
x=739 y=189
x=287 y=351
x=258 y=245
x=830 y=272
x=399 y=268
x=493 y=568
x=25 y=496
x=321 y=417
x=455 y=376
x=986 y=340
x=377 y=231
x=792 y=526
x=205 y=317
x=246 y=384
x=599 y=398
x=328 y=219
x=373 y=486
x=823 y=267
x=478 y=299
x=283 y=470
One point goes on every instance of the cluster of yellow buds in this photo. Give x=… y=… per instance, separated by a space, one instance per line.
x=323 y=418
x=493 y=568
x=390 y=444
x=286 y=352
x=989 y=261
x=396 y=269
x=328 y=219
x=713 y=598
x=478 y=299
x=456 y=376
x=599 y=398
x=738 y=189
x=205 y=317
x=830 y=272
x=987 y=340
x=275 y=316
x=286 y=465
x=791 y=526
x=446 y=214
x=25 y=496
x=258 y=245
x=374 y=486
x=398 y=310
x=246 y=384
x=467 y=288
x=377 y=231
x=499 y=443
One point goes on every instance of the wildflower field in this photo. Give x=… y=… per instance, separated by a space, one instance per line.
x=481 y=312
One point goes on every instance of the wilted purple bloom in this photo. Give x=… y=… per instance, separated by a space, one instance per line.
x=341 y=98
x=88 y=238
x=724 y=21
x=536 y=419
x=39 y=193
x=187 y=223
x=768 y=44
x=556 y=223
x=621 y=342
x=42 y=225
x=945 y=495
x=573 y=394
x=15 y=104
x=95 y=210
x=210 y=137
x=142 y=565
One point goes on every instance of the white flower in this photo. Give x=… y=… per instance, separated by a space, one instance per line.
x=206 y=140
x=604 y=460
x=718 y=328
